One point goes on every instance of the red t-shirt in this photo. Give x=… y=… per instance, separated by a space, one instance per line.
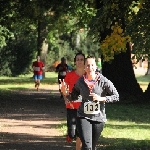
x=38 y=67
x=71 y=79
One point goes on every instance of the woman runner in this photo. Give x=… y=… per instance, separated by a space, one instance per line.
x=91 y=117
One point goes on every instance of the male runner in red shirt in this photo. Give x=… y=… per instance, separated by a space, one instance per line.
x=38 y=67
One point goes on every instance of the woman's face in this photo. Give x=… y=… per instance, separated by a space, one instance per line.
x=79 y=61
x=90 y=66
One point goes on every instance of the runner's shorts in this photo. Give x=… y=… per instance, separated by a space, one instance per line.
x=37 y=77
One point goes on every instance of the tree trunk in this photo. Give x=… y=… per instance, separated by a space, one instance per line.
x=42 y=43
x=121 y=73
x=147 y=93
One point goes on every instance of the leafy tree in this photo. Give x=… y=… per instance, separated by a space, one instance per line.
x=138 y=28
x=140 y=24
x=111 y=24
x=114 y=22
x=66 y=45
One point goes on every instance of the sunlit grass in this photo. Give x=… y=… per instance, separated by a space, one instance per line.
x=143 y=81
x=26 y=81
x=126 y=129
x=125 y=135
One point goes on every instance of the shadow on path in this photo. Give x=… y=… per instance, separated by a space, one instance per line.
x=29 y=120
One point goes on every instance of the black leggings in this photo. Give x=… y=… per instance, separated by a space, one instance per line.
x=89 y=132
x=60 y=78
x=71 y=123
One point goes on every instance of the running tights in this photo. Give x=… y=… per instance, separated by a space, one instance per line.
x=89 y=132
x=71 y=123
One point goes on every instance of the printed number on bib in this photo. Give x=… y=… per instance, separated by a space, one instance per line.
x=91 y=108
x=63 y=73
x=37 y=68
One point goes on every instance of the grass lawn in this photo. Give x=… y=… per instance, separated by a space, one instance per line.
x=128 y=125
x=26 y=81
x=143 y=81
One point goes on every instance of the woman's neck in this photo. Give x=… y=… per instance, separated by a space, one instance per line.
x=91 y=76
x=80 y=71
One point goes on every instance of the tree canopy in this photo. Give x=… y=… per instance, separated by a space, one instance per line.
x=112 y=23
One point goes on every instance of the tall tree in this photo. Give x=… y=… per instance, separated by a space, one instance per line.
x=111 y=23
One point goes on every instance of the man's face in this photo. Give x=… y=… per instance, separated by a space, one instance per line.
x=64 y=61
x=38 y=58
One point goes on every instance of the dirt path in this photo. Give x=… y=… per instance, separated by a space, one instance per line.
x=29 y=121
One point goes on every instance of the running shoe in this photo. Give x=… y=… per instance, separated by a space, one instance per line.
x=35 y=85
x=68 y=139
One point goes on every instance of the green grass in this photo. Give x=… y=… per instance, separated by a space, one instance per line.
x=25 y=81
x=127 y=127
x=143 y=81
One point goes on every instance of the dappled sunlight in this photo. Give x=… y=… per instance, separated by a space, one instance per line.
x=29 y=87
x=24 y=80
x=143 y=85
x=128 y=124
x=117 y=143
x=32 y=119
x=43 y=128
x=24 y=141
x=126 y=130
x=143 y=81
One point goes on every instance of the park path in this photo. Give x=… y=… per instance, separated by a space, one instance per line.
x=29 y=120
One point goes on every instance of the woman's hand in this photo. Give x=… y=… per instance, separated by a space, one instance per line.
x=68 y=102
x=64 y=87
x=97 y=97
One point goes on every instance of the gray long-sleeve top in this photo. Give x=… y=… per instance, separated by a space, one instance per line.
x=101 y=88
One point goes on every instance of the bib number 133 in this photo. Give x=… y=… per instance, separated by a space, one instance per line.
x=91 y=108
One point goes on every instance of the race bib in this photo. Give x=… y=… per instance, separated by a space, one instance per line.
x=91 y=108
x=63 y=73
x=36 y=68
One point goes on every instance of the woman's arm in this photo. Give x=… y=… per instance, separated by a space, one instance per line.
x=110 y=88
x=74 y=95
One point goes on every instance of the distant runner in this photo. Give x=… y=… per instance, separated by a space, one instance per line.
x=38 y=67
x=62 y=70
